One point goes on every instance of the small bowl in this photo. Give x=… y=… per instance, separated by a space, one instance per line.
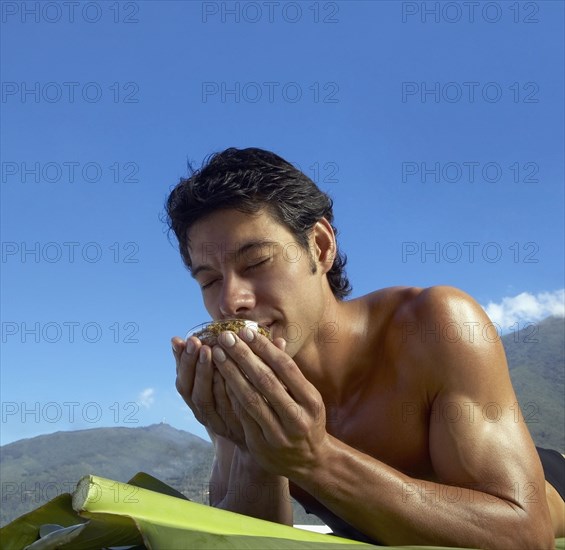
x=208 y=332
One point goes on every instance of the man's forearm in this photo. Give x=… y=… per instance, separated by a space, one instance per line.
x=394 y=509
x=252 y=491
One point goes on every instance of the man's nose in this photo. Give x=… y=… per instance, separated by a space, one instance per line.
x=236 y=297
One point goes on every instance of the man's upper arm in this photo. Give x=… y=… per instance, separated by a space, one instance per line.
x=477 y=437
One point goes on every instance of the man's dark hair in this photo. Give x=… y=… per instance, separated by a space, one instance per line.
x=249 y=180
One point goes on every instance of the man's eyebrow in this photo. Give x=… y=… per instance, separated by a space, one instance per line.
x=254 y=244
x=246 y=247
x=194 y=272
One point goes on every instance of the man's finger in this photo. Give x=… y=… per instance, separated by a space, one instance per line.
x=249 y=426
x=177 y=347
x=282 y=365
x=225 y=410
x=262 y=381
x=248 y=396
x=202 y=394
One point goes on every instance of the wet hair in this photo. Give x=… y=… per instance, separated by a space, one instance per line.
x=250 y=180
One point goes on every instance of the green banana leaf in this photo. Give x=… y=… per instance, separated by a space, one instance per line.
x=146 y=513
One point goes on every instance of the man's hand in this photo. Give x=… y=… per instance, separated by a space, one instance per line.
x=284 y=423
x=214 y=404
x=203 y=389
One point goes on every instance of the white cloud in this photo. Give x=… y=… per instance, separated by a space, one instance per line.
x=526 y=308
x=147 y=397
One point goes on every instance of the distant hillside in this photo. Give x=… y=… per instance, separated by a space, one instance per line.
x=35 y=470
x=536 y=358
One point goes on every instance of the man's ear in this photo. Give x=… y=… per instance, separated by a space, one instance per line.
x=324 y=244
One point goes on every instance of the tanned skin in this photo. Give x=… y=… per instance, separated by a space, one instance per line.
x=392 y=413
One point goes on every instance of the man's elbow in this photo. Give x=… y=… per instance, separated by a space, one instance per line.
x=536 y=534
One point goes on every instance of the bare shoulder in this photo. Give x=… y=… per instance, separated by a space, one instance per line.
x=444 y=330
x=441 y=315
x=436 y=303
x=417 y=308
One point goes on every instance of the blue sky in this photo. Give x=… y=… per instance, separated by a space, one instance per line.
x=437 y=130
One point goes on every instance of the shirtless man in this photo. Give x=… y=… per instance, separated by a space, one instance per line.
x=391 y=416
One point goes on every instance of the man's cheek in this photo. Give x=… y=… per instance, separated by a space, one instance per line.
x=211 y=305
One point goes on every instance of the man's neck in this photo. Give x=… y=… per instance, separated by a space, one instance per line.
x=332 y=359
